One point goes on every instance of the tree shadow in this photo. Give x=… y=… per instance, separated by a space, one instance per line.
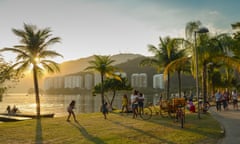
x=143 y=132
x=38 y=136
x=85 y=133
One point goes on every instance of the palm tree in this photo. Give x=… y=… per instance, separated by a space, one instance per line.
x=34 y=51
x=165 y=53
x=103 y=65
x=181 y=63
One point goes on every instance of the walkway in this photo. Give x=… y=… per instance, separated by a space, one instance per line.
x=230 y=121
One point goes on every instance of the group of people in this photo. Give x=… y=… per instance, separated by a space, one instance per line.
x=136 y=103
x=12 y=111
x=223 y=98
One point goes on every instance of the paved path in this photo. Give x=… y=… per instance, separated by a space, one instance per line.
x=230 y=121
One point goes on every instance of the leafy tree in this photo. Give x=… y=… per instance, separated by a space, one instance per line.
x=6 y=74
x=34 y=51
x=113 y=85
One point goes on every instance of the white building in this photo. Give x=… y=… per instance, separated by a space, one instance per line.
x=139 y=80
x=88 y=81
x=158 y=81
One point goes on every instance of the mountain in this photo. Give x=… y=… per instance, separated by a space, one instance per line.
x=129 y=63
x=69 y=67
x=75 y=66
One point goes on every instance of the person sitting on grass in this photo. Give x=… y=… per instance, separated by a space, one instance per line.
x=8 y=109
x=191 y=106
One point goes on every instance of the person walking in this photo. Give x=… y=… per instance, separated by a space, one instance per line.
x=125 y=103
x=235 y=100
x=70 y=111
x=105 y=110
x=218 y=97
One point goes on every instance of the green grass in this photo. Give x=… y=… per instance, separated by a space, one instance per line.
x=117 y=129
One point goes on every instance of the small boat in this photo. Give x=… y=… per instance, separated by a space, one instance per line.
x=7 y=118
x=30 y=115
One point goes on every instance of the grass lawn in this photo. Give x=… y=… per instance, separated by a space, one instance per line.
x=117 y=129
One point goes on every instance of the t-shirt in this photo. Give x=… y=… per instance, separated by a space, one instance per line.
x=234 y=96
x=134 y=99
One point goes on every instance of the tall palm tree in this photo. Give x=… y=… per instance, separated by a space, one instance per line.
x=181 y=63
x=165 y=53
x=103 y=65
x=34 y=51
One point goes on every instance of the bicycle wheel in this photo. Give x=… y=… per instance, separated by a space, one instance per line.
x=146 y=114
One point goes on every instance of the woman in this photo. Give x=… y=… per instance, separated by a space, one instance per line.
x=134 y=102
x=125 y=103
x=70 y=111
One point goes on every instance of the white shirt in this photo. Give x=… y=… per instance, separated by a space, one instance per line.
x=134 y=99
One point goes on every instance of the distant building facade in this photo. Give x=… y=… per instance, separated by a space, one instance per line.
x=158 y=81
x=139 y=80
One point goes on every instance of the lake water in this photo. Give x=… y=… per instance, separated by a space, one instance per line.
x=51 y=103
x=58 y=104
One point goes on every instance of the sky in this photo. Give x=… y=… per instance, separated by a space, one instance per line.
x=108 y=27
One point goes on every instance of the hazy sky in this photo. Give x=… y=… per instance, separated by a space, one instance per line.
x=110 y=27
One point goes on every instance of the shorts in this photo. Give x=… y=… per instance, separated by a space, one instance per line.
x=140 y=104
x=134 y=106
x=235 y=101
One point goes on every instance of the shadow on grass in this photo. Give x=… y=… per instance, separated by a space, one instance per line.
x=38 y=137
x=143 y=132
x=85 y=133
x=192 y=124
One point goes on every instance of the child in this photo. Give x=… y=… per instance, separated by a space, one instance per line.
x=70 y=111
x=105 y=110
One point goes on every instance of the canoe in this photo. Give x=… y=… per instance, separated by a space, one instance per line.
x=31 y=115
x=6 y=118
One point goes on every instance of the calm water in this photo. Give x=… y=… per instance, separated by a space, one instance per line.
x=51 y=103
x=58 y=103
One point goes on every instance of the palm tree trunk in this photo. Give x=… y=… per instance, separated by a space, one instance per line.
x=168 y=86
x=36 y=88
x=102 y=89
x=179 y=83
x=114 y=94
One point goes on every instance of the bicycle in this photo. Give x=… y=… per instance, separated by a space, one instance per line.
x=146 y=114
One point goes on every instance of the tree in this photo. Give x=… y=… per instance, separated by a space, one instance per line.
x=34 y=52
x=103 y=65
x=6 y=74
x=165 y=53
x=113 y=85
x=181 y=63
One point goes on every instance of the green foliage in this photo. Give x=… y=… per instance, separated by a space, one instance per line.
x=7 y=74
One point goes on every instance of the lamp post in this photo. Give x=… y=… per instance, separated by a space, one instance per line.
x=200 y=30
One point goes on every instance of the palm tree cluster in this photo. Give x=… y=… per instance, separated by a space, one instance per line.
x=218 y=58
